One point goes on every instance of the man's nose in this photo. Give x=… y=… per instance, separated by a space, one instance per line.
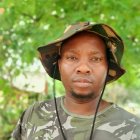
x=83 y=68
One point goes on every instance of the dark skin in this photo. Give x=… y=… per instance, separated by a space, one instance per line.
x=83 y=69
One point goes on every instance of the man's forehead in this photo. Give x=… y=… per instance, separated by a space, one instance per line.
x=92 y=44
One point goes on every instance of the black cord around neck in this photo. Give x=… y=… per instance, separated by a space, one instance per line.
x=64 y=137
x=97 y=108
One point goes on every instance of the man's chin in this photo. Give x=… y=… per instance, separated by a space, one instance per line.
x=82 y=96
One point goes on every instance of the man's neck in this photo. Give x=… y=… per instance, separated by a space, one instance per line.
x=87 y=107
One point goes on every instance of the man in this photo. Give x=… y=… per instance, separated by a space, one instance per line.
x=85 y=59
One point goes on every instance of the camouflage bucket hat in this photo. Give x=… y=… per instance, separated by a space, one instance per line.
x=50 y=52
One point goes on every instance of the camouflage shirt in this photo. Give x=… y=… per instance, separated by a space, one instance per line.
x=39 y=122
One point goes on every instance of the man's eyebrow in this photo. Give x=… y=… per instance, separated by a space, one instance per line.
x=93 y=52
x=69 y=51
x=96 y=52
x=72 y=50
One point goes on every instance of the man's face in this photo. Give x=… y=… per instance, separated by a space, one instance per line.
x=83 y=65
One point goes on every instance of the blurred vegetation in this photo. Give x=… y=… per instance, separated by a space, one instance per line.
x=27 y=24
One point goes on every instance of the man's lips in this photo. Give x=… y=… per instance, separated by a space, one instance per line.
x=82 y=82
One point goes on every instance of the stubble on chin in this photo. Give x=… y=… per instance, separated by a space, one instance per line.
x=81 y=96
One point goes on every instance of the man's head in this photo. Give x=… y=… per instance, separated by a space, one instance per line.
x=83 y=65
x=50 y=52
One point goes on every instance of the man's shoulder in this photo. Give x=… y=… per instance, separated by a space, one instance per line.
x=40 y=110
x=47 y=104
x=120 y=124
x=38 y=116
x=117 y=116
x=126 y=115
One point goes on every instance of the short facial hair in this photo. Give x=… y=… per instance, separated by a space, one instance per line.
x=81 y=96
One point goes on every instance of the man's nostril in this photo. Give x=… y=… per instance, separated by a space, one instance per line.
x=83 y=69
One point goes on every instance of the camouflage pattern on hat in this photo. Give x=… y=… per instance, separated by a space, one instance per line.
x=50 y=52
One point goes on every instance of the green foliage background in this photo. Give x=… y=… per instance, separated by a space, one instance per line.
x=27 y=24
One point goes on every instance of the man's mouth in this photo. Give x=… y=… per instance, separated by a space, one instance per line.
x=82 y=82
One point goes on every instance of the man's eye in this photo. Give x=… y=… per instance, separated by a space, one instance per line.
x=96 y=59
x=71 y=58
